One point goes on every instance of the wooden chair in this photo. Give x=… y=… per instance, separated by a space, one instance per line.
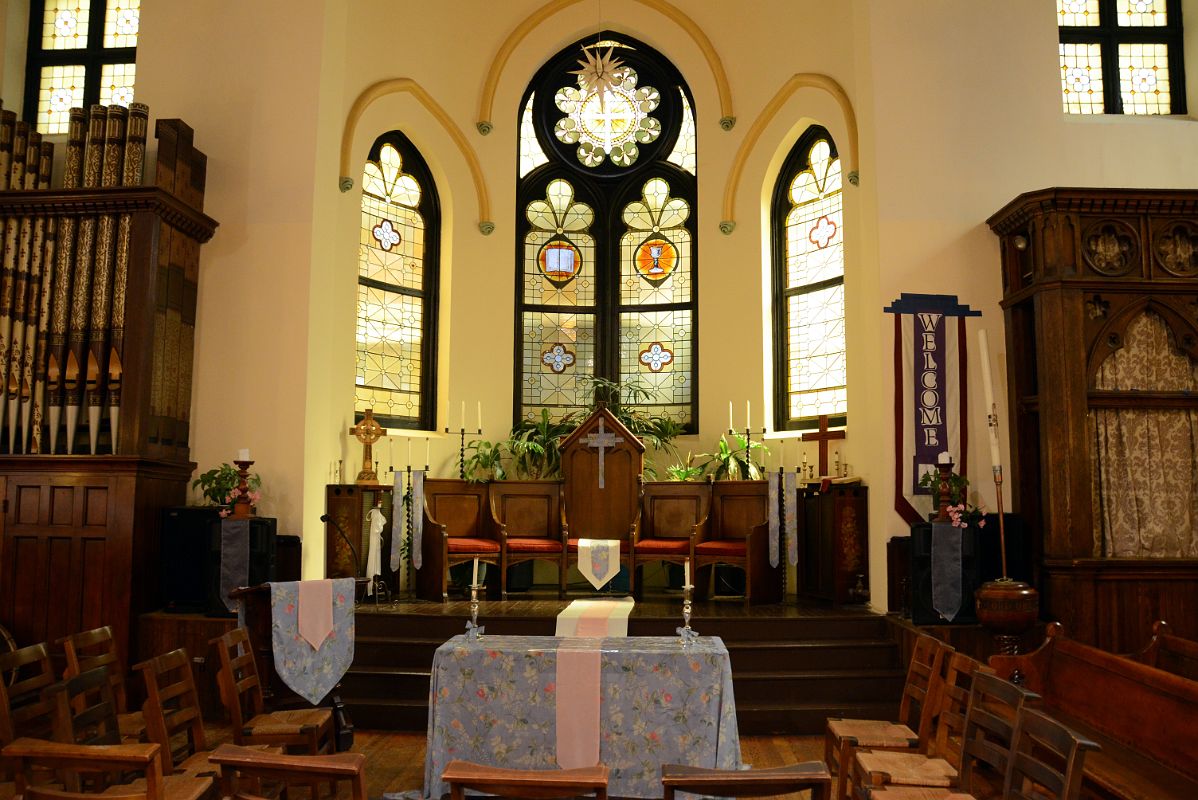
x=97 y=648
x=738 y=536
x=548 y=783
x=172 y=712
x=994 y=706
x=940 y=764
x=30 y=756
x=1045 y=757
x=457 y=530
x=672 y=519
x=23 y=709
x=84 y=709
x=529 y=519
x=917 y=709
x=808 y=775
x=252 y=766
x=308 y=731
x=1170 y=652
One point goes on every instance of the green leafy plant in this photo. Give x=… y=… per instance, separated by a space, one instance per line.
x=688 y=471
x=961 y=512
x=535 y=445
x=735 y=464
x=626 y=401
x=485 y=462
x=218 y=486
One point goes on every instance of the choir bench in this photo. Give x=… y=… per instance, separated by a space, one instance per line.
x=1145 y=719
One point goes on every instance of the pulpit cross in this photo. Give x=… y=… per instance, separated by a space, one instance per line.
x=823 y=437
x=602 y=440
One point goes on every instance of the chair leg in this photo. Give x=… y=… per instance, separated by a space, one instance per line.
x=503 y=574
x=842 y=773
x=562 y=563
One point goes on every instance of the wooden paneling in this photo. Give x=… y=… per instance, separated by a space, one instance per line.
x=160 y=633
x=80 y=542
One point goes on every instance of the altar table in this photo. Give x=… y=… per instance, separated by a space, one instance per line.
x=494 y=702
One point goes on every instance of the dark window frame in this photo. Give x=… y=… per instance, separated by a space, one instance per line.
x=1110 y=35
x=92 y=58
x=607 y=191
x=430 y=211
x=796 y=161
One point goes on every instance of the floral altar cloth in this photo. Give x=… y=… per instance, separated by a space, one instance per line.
x=311 y=673
x=494 y=701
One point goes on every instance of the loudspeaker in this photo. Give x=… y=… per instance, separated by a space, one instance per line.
x=981 y=561
x=190 y=553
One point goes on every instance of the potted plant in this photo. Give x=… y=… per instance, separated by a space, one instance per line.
x=485 y=462
x=689 y=471
x=728 y=464
x=961 y=512
x=218 y=486
x=535 y=445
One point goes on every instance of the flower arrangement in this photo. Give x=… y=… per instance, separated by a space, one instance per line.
x=218 y=486
x=961 y=512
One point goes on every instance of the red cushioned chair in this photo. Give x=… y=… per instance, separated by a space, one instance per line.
x=738 y=536
x=673 y=518
x=528 y=517
x=457 y=529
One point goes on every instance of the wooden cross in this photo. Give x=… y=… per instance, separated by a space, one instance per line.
x=368 y=431
x=823 y=437
x=602 y=439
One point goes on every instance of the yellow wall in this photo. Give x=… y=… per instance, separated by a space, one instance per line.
x=958 y=109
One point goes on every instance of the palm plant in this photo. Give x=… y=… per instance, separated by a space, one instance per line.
x=535 y=445
x=485 y=462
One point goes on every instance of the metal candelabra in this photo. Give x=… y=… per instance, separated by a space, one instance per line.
x=472 y=630
x=461 y=449
x=748 y=444
x=686 y=634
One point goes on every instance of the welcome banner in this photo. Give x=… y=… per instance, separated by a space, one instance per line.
x=930 y=391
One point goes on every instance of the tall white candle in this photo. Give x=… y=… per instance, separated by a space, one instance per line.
x=686 y=572
x=243 y=454
x=463 y=413
x=474 y=578
x=748 y=415
x=427 y=451
x=991 y=408
x=409 y=451
x=480 y=415
x=730 y=415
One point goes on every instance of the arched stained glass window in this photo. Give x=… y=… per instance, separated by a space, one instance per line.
x=397 y=287
x=606 y=260
x=808 y=236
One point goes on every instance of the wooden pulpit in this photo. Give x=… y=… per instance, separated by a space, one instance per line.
x=601 y=464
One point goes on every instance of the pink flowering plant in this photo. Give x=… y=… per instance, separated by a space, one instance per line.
x=961 y=512
x=218 y=487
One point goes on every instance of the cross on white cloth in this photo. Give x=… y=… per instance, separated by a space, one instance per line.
x=602 y=440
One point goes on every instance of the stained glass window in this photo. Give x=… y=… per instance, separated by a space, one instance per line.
x=397 y=284
x=607 y=214
x=1121 y=56
x=80 y=52
x=810 y=377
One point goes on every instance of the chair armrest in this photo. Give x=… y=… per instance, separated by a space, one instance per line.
x=634 y=531
x=565 y=526
x=340 y=765
x=701 y=530
x=61 y=754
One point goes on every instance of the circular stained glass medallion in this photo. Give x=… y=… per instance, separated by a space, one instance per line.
x=655 y=259
x=559 y=261
x=608 y=123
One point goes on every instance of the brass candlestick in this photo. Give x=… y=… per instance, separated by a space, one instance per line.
x=241 y=506
x=1007 y=608
x=473 y=632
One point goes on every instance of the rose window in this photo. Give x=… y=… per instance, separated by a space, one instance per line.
x=609 y=122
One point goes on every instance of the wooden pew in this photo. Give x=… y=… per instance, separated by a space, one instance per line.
x=1170 y=653
x=1145 y=719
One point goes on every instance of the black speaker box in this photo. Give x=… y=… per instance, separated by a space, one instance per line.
x=981 y=561
x=190 y=553
x=289 y=558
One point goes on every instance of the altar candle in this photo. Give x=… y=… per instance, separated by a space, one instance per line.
x=991 y=409
x=480 y=416
x=427 y=449
x=474 y=578
x=463 y=414
x=243 y=454
x=748 y=416
x=409 y=451
x=729 y=415
x=945 y=458
x=686 y=573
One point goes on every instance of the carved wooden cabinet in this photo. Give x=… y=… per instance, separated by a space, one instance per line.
x=833 y=538
x=1079 y=268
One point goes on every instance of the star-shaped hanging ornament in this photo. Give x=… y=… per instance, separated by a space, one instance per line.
x=598 y=72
